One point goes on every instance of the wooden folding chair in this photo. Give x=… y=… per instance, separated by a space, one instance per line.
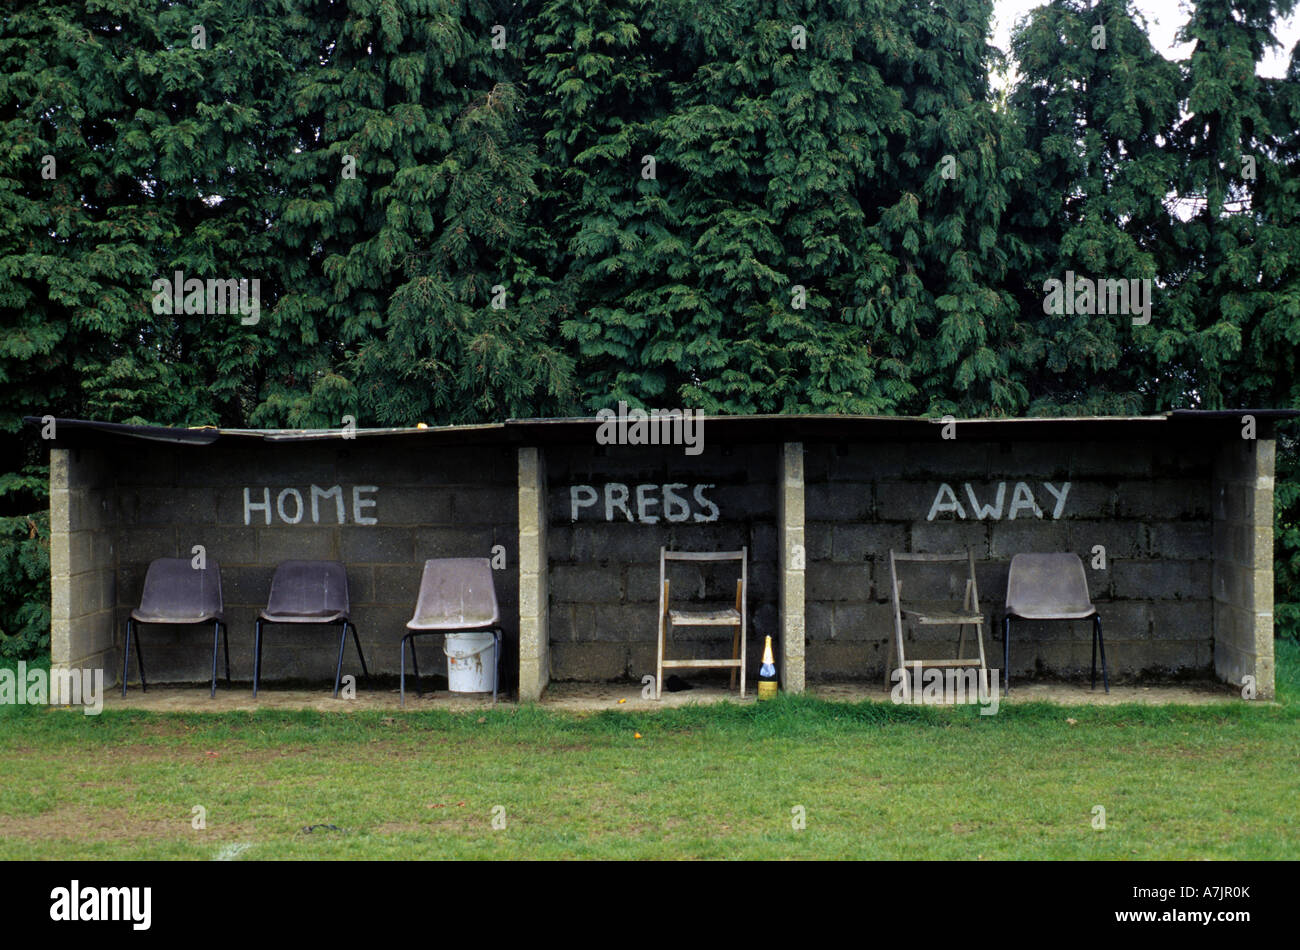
x=935 y=613
x=736 y=617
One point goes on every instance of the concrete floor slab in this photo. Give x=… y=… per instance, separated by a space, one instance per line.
x=590 y=697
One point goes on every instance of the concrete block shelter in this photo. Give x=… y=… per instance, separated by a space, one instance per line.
x=1173 y=515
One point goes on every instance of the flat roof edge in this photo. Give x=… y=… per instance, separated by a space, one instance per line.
x=788 y=427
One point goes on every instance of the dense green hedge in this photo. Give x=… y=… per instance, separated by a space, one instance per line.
x=25 y=585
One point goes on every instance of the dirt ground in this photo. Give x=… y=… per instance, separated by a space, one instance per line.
x=590 y=697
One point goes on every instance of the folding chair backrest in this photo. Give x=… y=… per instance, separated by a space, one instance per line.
x=458 y=592
x=1041 y=585
x=309 y=589
x=176 y=591
x=970 y=589
x=667 y=555
x=905 y=556
x=705 y=556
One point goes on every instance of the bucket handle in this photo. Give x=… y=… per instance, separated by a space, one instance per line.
x=465 y=656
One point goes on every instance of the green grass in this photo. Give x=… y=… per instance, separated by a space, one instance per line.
x=876 y=781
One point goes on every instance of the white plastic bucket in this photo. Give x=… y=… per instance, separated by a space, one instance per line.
x=471 y=661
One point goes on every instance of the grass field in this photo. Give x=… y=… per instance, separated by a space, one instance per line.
x=874 y=781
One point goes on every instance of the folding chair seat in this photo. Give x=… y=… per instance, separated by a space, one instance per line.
x=1050 y=587
x=735 y=617
x=177 y=592
x=934 y=613
x=309 y=592
x=457 y=595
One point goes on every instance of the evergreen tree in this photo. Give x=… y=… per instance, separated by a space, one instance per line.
x=1233 y=256
x=800 y=245
x=1097 y=106
x=398 y=263
x=157 y=124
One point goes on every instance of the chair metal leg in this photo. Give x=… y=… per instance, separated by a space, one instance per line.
x=401 y=657
x=1006 y=654
x=1094 y=653
x=1101 y=642
x=126 y=655
x=139 y=662
x=225 y=640
x=257 y=658
x=216 y=639
x=356 y=638
x=415 y=665
x=338 y=670
x=496 y=675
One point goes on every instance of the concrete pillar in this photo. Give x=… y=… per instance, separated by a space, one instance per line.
x=534 y=637
x=83 y=589
x=1243 y=564
x=793 y=554
x=60 y=561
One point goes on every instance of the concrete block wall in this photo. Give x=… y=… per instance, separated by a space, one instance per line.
x=604 y=568
x=425 y=501
x=1186 y=587
x=83 y=583
x=1243 y=564
x=1147 y=504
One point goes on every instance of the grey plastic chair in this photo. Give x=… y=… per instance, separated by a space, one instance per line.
x=309 y=592
x=1050 y=587
x=177 y=592
x=457 y=595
